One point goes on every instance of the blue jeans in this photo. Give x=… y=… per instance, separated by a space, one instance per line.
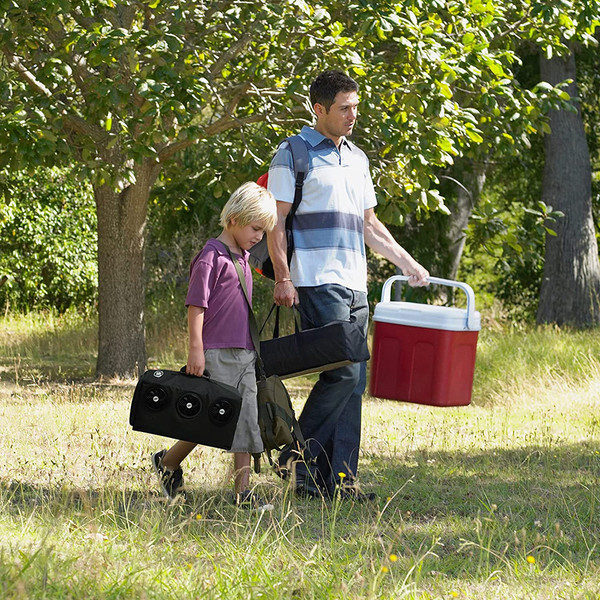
x=331 y=418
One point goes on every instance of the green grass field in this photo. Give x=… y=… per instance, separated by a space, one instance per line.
x=495 y=500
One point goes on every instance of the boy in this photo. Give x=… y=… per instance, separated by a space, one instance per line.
x=219 y=333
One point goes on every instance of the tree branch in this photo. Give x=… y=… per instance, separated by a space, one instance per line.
x=228 y=122
x=71 y=121
x=230 y=53
x=15 y=63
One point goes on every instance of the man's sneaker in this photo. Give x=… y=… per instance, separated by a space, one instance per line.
x=248 y=499
x=306 y=486
x=352 y=492
x=170 y=481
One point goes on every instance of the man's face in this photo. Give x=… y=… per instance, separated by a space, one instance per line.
x=341 y=117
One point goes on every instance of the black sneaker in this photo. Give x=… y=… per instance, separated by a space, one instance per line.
x=170 y=481
x=248 y=499
x=353 y=493
x=307 y=487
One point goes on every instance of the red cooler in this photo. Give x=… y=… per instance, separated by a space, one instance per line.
x=422 y=353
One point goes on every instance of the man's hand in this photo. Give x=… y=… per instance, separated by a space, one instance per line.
x=285 y=294
x=417 y=274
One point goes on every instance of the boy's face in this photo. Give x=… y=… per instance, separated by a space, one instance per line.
x=248 y=235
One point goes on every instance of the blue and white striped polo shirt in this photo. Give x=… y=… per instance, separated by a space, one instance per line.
x=329 y=224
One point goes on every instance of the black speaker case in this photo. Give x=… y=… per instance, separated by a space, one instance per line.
x=208 y=412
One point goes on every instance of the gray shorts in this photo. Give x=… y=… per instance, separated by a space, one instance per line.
x=235 y=367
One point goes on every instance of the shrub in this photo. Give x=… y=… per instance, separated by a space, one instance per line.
x=48 y=249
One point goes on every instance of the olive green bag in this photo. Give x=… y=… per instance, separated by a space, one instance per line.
x=277 y=421
x=276 y=418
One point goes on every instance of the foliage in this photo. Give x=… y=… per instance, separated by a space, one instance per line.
x=514 y=236
x=47 y=240
x=442 y=75
x=438 y=81
x=139 y=81
x=123 y=87
x=511 y=224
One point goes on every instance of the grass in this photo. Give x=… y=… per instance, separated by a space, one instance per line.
x=495 y=500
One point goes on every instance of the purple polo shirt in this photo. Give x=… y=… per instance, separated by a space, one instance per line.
x=214 y=285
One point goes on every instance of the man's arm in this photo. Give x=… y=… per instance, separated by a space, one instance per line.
x=285 y=293
x=379 y=239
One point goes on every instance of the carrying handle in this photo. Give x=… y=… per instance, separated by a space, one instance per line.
x=467 y=289
x=205 y=374
x=276 y=308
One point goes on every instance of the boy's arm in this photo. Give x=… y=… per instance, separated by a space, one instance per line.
x=195 y=361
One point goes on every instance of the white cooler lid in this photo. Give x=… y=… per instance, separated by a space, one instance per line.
x=426 y=315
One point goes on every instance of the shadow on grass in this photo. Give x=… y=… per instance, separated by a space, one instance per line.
x=498 y=506
x=479 y=511
x=53 y=504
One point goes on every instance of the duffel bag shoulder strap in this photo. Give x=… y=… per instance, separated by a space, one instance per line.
x=256 y=341
x=251 y=318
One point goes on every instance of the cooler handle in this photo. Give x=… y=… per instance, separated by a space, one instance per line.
x=467 y=289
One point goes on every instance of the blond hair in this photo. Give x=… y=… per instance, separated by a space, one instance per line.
x=249 y=203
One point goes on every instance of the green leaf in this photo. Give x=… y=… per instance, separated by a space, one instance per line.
x=444 y=89
x=496 y=69
x=473 y=135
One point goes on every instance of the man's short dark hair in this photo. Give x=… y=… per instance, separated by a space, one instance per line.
x=326 y=86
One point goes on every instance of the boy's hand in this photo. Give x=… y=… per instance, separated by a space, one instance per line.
x=195 y=363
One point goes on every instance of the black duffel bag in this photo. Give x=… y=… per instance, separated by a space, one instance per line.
x=334 y=345
x=186 y=407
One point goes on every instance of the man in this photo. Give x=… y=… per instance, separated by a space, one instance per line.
x=328 y=275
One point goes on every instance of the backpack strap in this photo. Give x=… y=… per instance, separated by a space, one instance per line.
x=299 y=151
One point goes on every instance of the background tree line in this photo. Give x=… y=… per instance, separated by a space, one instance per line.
x=170 y=105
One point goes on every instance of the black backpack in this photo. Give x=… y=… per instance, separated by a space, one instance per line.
x=259 y=253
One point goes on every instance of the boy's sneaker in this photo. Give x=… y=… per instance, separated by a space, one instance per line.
x=170 y=481
x=248 y=499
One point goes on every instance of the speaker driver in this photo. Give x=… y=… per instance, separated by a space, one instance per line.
x=189 y=405
x=156 y=397
x=221 y=412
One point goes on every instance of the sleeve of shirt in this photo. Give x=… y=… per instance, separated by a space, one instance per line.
x=202 y=280
x=281 y=175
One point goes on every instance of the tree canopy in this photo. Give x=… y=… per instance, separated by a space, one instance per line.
x=123 y=87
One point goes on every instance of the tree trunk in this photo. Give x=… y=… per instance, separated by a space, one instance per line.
x=469 y=186
x=570 y=291
x=121 y=240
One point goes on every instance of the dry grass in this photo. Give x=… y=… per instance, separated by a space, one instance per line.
x=494 y=500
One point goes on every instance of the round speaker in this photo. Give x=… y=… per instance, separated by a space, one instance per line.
x=189 y=405
x=221 y=412
x=156 y=397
